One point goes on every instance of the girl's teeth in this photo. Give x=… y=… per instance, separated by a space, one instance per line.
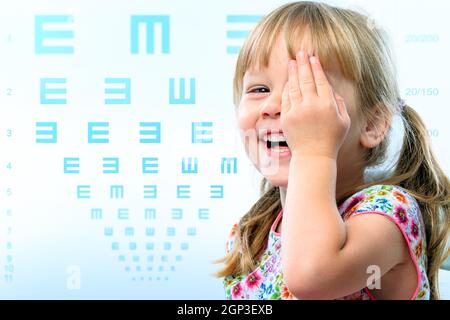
x=279 y=149
x=274 y=138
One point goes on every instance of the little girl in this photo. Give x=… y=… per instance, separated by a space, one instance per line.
x=316 y=91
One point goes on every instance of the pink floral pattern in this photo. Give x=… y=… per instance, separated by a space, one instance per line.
x=266 y=281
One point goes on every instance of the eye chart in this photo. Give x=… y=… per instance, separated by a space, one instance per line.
x=121 y=167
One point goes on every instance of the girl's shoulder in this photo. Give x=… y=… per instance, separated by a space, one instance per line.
x=387 y=199
x=230 y=239
x=393 y=202
x=402 y=208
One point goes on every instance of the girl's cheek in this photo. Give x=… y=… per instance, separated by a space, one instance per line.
x=246 y=118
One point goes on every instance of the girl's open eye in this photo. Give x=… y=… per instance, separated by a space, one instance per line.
x=258 y=90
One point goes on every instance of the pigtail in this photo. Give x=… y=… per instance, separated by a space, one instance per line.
x=252 y=232
x=419 y=172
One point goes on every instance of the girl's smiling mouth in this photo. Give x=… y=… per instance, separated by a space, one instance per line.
x=274 y=144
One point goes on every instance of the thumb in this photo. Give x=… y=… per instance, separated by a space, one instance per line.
x=285 y=103
x=342 y=109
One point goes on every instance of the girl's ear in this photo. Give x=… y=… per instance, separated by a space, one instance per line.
x=375 y=128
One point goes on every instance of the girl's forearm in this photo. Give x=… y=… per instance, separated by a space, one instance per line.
x=313 y=231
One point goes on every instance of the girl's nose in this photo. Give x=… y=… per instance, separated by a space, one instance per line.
x=271 y=108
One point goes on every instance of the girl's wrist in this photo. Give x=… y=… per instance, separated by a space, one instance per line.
x=313 y=156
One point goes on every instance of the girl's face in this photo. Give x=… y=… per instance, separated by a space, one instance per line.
x=259 y=112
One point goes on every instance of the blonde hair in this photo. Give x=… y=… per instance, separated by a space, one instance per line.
x=364 y=57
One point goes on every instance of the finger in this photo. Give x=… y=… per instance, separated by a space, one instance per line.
x=305 y=75
x=322 y=85
x=294 y=88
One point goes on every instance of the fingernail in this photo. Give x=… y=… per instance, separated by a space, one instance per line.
x=301 y=54
x=313 y=59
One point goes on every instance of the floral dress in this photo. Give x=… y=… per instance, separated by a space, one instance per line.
x=393 y=202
